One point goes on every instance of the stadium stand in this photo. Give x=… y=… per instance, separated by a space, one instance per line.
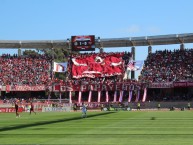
x=25 y=70
x=168 y=66
x=171 y=73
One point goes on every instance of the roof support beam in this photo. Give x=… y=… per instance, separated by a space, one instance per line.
x=107 y=43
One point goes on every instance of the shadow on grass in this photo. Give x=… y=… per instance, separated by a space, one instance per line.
x=51 y=122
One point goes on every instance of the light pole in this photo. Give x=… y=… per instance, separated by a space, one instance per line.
x=101 y=50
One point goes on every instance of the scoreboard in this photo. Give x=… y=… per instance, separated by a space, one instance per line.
x=83 y=43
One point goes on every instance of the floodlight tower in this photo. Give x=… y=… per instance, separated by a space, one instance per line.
x=149 y=49
x=19 y=49
x=101 y=49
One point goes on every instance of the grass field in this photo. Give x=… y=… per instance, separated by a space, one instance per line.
x=99 y=128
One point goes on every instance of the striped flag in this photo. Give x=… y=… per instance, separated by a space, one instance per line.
x=135 y=65
x=131 y=65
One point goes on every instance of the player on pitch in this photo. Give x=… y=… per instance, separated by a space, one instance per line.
x=32 y=109
x=16 y=110
x=84 y=110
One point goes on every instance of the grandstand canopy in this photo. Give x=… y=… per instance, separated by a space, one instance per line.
x=105 y=43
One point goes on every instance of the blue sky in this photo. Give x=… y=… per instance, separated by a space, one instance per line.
x=60 y=19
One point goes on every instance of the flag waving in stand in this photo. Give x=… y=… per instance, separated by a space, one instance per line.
x=133 y=66
x=60 y=67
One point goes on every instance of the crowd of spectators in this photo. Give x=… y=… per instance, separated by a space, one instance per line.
x=161 y=66
x=25 y=70
x=36 y=70
x=107 y=80
x=168 y=66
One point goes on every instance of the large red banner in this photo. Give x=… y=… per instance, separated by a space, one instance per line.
x=97 y=65
x=99 y=87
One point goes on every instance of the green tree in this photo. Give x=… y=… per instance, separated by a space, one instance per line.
x=31 y=53
x=58 y=55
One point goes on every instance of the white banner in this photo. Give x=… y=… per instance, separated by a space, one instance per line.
x=56 y=109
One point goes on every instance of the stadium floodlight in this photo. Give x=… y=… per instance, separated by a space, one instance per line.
x=100 y=45
x=68 y=43
x=68 y=40
x=99 y=40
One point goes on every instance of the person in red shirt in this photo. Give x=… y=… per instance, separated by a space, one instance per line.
x=16 y=110
x=32 y=108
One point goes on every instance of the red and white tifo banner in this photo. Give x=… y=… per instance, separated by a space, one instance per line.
x=97 y=65
x=10 y=109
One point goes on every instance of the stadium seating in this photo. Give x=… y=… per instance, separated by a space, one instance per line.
x=168 y=66
x=24 y=70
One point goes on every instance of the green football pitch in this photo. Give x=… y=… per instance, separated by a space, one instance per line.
x=99 y=128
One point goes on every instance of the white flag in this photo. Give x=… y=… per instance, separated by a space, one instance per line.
x=60 y=67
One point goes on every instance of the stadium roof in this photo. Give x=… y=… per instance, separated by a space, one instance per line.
x=105 y=43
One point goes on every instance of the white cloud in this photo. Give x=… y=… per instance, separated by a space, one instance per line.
x=130 y=29
x=133 y=29
x=153 y=29
x=137 y=30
